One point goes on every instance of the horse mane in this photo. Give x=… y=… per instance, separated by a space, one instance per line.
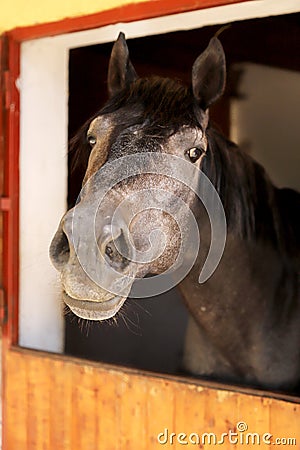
x=79 y=152
x=254 y=207
x=167 y=102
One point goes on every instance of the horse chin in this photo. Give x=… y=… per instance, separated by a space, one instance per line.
x=94 y=310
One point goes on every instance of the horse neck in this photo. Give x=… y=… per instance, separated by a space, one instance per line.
x=262 y=247
x=246 y=192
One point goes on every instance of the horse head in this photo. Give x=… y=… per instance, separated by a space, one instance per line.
x=146 y=147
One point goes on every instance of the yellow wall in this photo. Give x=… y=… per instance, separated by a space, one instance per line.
x=19 y=13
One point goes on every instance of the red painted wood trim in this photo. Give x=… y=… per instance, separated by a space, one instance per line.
x=127 y=13
x=11 y=192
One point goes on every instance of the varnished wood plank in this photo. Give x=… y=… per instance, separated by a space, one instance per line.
x=60 y=413
x=30 y=390
x=219 y=419
x=252 y=421
x=133 y=413
x=51 y=401
x=188 y=415
x=108 y=411
x=160 y=410
x=38 y=415
x=285 y=423
x=15 y=403
x=85 y=420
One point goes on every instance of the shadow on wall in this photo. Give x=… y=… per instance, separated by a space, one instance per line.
x=265 y=120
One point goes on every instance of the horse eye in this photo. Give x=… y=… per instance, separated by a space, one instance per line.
x=91 y=140
x=194 y=153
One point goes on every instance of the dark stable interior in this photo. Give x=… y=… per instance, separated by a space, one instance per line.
x=151 y=336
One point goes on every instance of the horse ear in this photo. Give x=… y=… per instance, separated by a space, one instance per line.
x=120 y=70
x=209 y=74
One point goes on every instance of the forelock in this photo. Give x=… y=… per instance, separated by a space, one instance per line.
x=164 y=104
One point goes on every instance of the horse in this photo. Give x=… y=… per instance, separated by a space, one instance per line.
x=244 y=325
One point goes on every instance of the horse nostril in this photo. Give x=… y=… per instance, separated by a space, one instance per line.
x=59 y=250
x=116 y=252
x=109 y=251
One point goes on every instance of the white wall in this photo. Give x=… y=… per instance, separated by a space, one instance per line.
x=266 y=121
x=43 y=190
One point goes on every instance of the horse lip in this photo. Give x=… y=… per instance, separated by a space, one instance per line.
x=92 y=310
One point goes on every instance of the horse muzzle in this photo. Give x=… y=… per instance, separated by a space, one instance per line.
x=94 y=310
